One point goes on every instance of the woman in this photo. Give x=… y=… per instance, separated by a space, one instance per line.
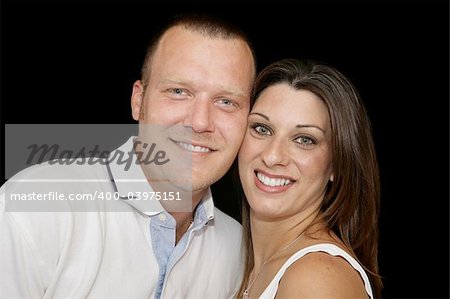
x=309 y=172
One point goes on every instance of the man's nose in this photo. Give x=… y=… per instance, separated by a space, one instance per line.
x=200 y=116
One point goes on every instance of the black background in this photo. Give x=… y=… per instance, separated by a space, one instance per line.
x=76 y=63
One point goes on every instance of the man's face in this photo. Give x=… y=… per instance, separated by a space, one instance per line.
x=202 y=85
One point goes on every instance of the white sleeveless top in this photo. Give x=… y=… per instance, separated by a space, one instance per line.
x=271 y=290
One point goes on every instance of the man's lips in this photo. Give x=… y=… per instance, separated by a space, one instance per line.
x=193 y=147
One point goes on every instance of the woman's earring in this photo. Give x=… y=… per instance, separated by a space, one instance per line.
x=332 y=177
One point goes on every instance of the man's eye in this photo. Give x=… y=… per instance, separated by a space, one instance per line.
x=177 y=91
x=226 y=102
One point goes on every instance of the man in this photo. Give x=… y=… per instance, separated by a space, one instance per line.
x=196 y=86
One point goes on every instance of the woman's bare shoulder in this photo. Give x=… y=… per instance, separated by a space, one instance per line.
x=321 y=275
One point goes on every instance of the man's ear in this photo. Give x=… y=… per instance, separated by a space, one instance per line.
x=137 y=100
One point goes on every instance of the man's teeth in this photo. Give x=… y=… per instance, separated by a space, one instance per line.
x=196 y=148
x=272 y=182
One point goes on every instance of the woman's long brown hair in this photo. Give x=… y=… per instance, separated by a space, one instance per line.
x=352 y=201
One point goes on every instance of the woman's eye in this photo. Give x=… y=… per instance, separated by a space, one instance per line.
x=305 y=141
x=261 y=130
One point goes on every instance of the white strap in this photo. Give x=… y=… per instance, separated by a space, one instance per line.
x=334 y=250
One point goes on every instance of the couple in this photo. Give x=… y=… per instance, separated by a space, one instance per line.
x=306 y=163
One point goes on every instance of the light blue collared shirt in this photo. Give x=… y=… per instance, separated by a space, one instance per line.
x=163 y=234
x=214 y=232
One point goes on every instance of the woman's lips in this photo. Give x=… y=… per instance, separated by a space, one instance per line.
x=272 y=183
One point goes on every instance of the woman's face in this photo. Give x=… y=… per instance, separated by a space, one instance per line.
x=285 y=159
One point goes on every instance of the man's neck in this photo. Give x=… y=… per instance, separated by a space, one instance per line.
x=185 y=219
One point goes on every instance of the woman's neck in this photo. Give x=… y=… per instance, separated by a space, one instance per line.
x=271 y=236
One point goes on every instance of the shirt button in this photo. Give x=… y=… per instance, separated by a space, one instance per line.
x=162 y=217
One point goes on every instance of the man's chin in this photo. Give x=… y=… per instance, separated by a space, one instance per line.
x=203 y=182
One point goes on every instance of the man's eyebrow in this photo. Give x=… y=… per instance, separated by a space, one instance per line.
x=227 y=90
x=174 y=81
x=234 y=92
x=297 y=126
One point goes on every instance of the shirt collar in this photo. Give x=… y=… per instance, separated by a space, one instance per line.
x=129 y=179
x=208 y=205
